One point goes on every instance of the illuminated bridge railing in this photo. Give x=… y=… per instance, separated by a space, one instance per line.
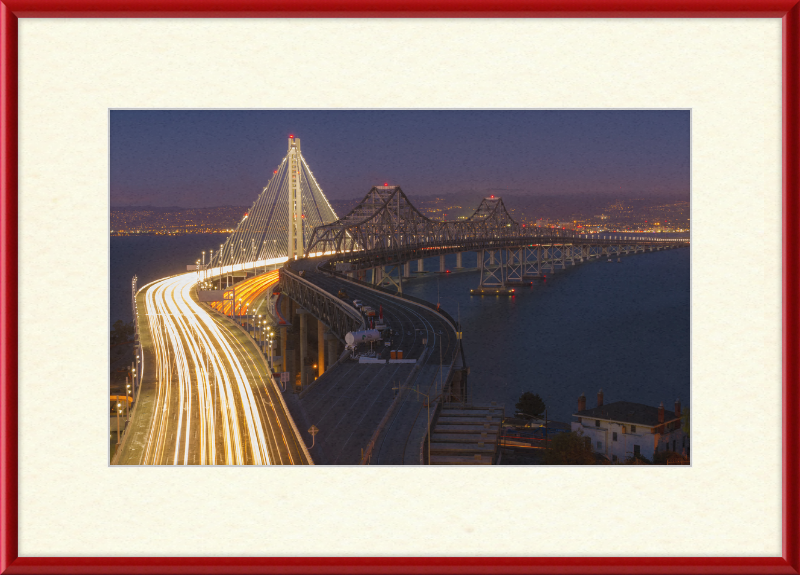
x=340 y=317
x=393 y=255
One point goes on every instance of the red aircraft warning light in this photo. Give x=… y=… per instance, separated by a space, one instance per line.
x=291 y=135
x=385 y=183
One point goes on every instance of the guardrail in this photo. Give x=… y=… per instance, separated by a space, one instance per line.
x=338 y=316
x=393 y=256
x=431 y=306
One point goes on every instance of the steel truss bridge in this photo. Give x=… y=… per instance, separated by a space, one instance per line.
x=385 y=233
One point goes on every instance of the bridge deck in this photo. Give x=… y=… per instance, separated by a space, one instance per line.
x=283 y=444
x=348 y=402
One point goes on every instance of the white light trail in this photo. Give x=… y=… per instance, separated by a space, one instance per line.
x=206 y=408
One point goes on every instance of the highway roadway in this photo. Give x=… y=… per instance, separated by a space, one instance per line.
x=348 y=402
x=206 y=396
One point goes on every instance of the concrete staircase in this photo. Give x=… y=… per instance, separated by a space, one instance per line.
x=466 y=434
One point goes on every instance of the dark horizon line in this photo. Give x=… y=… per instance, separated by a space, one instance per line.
x=620 y=195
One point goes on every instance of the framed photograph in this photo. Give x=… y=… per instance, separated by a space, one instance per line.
x=95 y=102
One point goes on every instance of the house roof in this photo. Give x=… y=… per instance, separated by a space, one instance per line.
x=628 y=412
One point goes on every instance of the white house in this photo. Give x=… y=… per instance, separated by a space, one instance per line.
x=623 y=429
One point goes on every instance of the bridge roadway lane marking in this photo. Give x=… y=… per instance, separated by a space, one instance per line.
x=399 y=444
x=358 y=404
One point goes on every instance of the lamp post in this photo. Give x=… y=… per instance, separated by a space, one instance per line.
x=227 y=277
x=127 y=403
x=428 y=403
x=441 y=368
x=268 y=336
x=118 y=406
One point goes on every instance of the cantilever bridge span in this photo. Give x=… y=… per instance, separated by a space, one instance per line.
x=385 y=233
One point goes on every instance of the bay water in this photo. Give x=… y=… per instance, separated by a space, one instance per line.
x=620 y=327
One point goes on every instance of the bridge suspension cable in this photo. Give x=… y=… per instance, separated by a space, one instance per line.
x=288 y=209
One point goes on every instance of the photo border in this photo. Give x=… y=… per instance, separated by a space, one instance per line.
x=11 y=10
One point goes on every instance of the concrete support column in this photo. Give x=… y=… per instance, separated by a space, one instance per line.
x=458 y=261
x=320 y=347
x=333 y=348
x=420 y=265
x=303 y=346
x=289 y=364
x=539 y=260
x=441 y=263
x=283 y=348
x=407 y=269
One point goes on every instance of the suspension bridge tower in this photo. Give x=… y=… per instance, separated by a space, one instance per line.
x=278 y=224
x=296 y=199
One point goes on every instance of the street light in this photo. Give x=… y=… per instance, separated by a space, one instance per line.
x=128 y=394
x=118 y=410
x=441 y=367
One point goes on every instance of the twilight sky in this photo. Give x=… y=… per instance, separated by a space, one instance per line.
x=217 y=158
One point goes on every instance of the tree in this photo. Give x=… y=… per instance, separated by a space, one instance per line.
x=121 y=332
x=530 y=405
x=569 y=449
x=669 y=458
x=685 y=421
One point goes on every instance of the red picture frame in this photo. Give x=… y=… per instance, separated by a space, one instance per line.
x=11 y=10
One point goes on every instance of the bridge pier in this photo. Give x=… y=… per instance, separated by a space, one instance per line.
x=333 y=348
x=320 y=347
x=513 y=265
x=385 y=277
x=420 y=265
x=492 y=270
x=407 y=270
x=459 y=265
x=303 y=347
x=441 y=264
x=289 y=359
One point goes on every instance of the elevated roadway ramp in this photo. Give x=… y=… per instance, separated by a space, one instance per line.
x=349 y=401
x=220 y=407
